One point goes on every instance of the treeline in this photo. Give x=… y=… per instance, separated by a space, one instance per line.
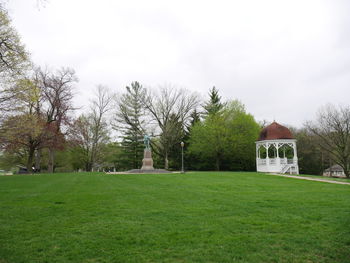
x=40 y=129
x=41 y=132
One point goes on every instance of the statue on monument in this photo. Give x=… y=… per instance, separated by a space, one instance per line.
x=146 y=141
x=147 y=161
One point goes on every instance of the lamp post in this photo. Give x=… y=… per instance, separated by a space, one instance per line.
x=182 y=157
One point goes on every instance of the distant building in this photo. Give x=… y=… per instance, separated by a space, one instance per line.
x=334 y=171
x=276 y=150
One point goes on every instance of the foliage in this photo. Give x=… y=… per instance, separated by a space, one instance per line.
x=14 y=62
x=13 y=57
x=24 y=131
x=111 y=157
x=9 y=160
x=225 y=141
x=42 y=103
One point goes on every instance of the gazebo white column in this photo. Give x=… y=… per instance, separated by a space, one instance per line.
x=295 y=157
x=277 y=154
x=267 y=155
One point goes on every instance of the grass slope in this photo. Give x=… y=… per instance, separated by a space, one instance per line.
x=197 y=217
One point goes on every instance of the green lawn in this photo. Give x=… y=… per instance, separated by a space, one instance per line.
x=196 y=217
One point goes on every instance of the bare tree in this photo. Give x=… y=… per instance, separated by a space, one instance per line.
x=90 y=132
x=80 y=136
x=100 y=106
x=333 y=129
x=168 y=108
x=57 y=93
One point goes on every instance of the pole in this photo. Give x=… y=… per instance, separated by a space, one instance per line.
x=182 y=158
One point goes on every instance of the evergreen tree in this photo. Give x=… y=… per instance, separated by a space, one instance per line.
x=195 y=117
x=192 y=162
x=130 y=119
x=214 y=105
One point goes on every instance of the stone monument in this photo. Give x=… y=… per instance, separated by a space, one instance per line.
x=147 y=161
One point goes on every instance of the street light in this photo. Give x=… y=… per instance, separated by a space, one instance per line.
x=182 y=157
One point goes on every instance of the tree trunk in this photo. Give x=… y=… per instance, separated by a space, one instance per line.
x=30 y=159
x=51 y=162
x=346 y=170
x=166 y=161
x=136 y=161
x=38 y=160
x=88 y=167
x=217 y=164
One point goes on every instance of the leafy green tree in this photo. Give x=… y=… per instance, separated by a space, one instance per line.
x=24 y=130
x=226 y=141
x=13 y=57
x=111 y=157
x=243 y=132
x=9 y=160
x=209 y=141
x=14 y=62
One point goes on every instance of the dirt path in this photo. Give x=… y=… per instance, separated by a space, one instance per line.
x=312 y=179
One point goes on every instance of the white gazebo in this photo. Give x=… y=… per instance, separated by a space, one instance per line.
x=276 y=150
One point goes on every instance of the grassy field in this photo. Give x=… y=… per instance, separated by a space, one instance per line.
x=196 y=217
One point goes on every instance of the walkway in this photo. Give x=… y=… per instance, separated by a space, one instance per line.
x=312 y=179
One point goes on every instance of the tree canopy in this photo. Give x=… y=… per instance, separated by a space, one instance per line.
x=226 y=141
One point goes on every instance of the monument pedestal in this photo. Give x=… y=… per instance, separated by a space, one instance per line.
x=147 y=161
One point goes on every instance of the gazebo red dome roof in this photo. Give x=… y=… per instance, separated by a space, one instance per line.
x=275 y=131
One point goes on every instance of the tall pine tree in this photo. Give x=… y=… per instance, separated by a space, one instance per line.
x=214 y=105
x=130 y=120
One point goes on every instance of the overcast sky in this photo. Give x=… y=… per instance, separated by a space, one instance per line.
x=282 y=59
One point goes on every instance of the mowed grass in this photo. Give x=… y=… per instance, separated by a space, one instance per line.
x=195 y=217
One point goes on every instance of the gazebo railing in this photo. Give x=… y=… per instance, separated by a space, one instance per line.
x=273 y=161
x=290 y=161
x=262 y=161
